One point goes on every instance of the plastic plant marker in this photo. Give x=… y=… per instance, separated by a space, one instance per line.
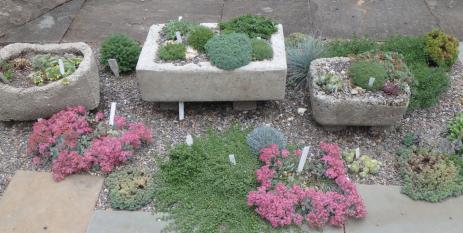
x=232 y=159
x=61 y=66
x=371 y=81
x=112 y=113
x=179 y=37
x=114 y=67
x=181 y=110
x=180 y=18
x=303 y=158
x=189 y=140
x=357 y=153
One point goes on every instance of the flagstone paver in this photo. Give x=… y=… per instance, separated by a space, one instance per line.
x=34 y=203
x=125 y=221
x=389 y=211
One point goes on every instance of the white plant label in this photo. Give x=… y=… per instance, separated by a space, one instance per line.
x=61 y=66
x=357 y=153
x=189 y=140
x=371 y=81
x=179 y=37
x=305 y=153
x=232 y=159
x=114 y=67
x=112 y=113
x=180 y=18
x=181 y=110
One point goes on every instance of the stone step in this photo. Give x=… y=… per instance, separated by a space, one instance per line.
x=125 y=221
x=34 y=203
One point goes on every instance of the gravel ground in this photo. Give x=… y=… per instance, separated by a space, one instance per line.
x=301 y=130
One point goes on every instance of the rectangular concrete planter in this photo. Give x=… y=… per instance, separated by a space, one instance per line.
x=166 y=82
x=357 y=110
x=35 y=102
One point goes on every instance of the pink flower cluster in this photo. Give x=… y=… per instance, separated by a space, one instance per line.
x=76 y=142
x=282 y=205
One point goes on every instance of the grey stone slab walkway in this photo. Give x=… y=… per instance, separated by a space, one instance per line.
x=34 y=203
x=460 y=55
x=125 y=222
x=95 y=19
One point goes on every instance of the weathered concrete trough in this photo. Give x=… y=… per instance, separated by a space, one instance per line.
x=35 y=102
x=353 y=110
x=167 y=82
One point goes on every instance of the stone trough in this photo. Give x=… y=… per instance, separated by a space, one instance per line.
x=168 y=82
x=356 y=110
x=35 y=102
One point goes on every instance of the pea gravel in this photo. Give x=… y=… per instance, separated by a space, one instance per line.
x=300 y=129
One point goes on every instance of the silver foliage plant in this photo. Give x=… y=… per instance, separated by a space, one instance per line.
x=264 y=136
x=299 y=55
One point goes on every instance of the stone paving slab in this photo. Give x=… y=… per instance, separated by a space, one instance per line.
x=49 y=27
x=449 y=14
x=377 y=19
x=292 y=14
x=125 y=222
x=389 y=211
x=460 y=54
x=34 y=203
x=99 y=18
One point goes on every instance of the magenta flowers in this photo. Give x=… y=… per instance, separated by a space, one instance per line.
x=75 y=141
x=284 y=201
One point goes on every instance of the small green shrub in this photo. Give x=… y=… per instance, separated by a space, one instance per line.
x=171 y=52
x=130 y=190
x=261 y=49
x=5 y=69
x=264 y=136
x=344 y=48
x=229 y=51
x=173 y=26
x=296 y=38
x=122 y=48
x=442 y=49
x=456 y=128
x=253 y=26
x=361 y=72
x=199 y=37
x=410 y=47
x=330 y=82
x=429 y=83
x=299 y=56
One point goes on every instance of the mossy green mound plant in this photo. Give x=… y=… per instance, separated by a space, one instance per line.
x=123 y=48
x=46 y=67
x=252 y=25
x=203 y=192
x=199 y=37
x=456 y=127
x=130 y=190
x=6 y=70
x=172 y=52
x=261 y=49
x=441 y=49
x=362 y=72
x=229 y=51
x=173 y=26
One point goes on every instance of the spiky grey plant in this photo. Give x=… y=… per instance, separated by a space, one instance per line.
x=264 y=136
x=299 y=56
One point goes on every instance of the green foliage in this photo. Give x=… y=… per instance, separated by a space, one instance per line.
x=344 y=48
x=261 y=49
x=171 y=52
x=410 y=139
x=199 y=37
x=122 y=48
x=410 y=47
x=430 y=176
x=330 y=82
x=361 y=72
x=264 y=136
x=202 y=192
x=229 y=51
x=429 y=83
x=442 y=49
x=456 y=127
x=173 y=26
x=253 y=26
x=130 y=190
x=5 y=69
x=393 y=63
x=296 y=38
x=299 y=56
x=46 y=67
x=362 y=166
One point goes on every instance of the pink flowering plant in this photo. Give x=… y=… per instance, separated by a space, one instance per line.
x=75 y=141
x=321 y=194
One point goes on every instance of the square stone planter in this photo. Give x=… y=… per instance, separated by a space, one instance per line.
x=167 y=82
x=43 y=101
x=355 y=110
